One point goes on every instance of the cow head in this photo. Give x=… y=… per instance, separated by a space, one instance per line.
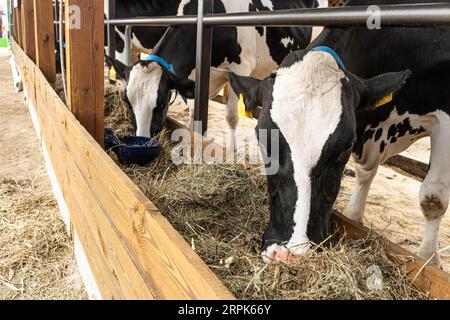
x=148 y=92
x=312 y=103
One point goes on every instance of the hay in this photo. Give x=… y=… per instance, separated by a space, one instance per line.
x=222 y=211
x=36 y=260
x=117 y=113
x=59 y=87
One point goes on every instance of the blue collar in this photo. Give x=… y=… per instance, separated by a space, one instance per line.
x=163 y=63
x=166 y=66
x=333 y=54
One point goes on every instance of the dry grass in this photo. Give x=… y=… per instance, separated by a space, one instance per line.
x=117 y=113
x=36 y=260
x=58 y=87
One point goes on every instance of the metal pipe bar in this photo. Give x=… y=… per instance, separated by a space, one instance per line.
x=413 y=15
x=203 y=64
x=127 y=49
x=111 y=30
x=419 y=15
x=155 y=21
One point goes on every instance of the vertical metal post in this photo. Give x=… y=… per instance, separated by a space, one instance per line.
x=127 y=49
x=56 y=14
x=203 y=64
x=111 y=33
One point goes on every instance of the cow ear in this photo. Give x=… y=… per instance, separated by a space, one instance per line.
x=383 y=86
x=185 y=87
x=249 y=88
x=121 y=69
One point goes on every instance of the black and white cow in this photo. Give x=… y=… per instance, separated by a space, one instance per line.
x=325 y=112
x=143 y=38
x=243 y=50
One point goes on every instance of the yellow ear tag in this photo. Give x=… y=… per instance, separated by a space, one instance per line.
x=242 y=109
x=112 y=74
x=385 y=100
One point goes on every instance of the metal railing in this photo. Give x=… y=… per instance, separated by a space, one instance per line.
x=412 y=15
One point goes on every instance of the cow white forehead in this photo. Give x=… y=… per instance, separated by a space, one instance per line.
x=142 y=92
x=307 y=104
x=141 y=75
x=307 y=108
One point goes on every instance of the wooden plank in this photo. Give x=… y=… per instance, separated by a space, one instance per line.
x=29 y=44
x=18 y=24
x=45 y=38
x=121 y=229
x=153 y=241
x=85 y=63
x=14 y=24
x=409 y=167
x=112 y=266
x=105 y=250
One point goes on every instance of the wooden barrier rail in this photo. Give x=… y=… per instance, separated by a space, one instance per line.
x=133 y=252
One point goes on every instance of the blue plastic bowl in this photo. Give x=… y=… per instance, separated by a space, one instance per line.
x=133 y=150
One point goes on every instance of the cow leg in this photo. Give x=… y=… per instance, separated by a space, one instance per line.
x=232 y=117
x=358 y=200
x=218 y=80
x=435 y=190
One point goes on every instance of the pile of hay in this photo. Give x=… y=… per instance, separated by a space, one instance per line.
x=36 y=261
x=117 y=113
x=58 y=86
x=222 y=211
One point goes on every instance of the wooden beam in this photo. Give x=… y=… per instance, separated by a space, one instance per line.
x=13 y=29
x=45 y=38
x=85 y=63
x=409 y=167
x=29 y=44
x=18 y=25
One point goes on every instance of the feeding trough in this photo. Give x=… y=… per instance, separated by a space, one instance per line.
x=132 y=150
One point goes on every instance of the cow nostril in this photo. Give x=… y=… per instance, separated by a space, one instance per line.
x=273 y=255
x=282 y=255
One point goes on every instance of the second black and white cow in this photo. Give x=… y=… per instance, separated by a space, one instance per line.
x=325 y=109
x=243 y=50
x=143 y=39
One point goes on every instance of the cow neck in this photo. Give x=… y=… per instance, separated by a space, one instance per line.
x=178 y=49
x=342 y=42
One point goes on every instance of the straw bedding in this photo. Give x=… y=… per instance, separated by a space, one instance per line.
x=36 y=261
x=222 y=212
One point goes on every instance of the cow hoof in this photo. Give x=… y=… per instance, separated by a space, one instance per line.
x=356 y=217
x=427 y=255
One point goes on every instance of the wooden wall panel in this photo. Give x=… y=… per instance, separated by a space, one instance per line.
x=29 y=44
x=45 y=38
x=85 y=63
